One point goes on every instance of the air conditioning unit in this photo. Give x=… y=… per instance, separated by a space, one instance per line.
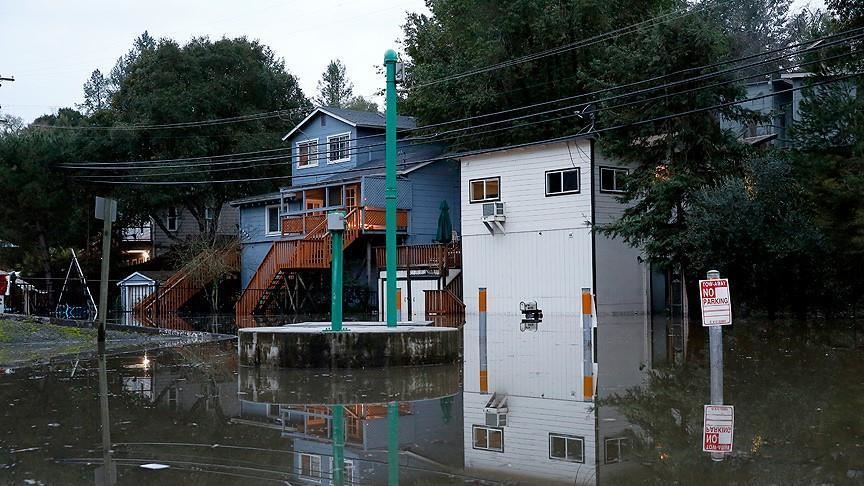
x=496 y=419
x=496 y=411
x=494 y=216
x=494 y=211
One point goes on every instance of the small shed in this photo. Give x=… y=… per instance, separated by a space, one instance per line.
x=137 y=286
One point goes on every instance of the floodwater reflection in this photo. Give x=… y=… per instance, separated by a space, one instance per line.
x=191 y=415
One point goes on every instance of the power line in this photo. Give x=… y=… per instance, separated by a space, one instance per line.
x=526 y=144
x=679 y=13
x=436 y=138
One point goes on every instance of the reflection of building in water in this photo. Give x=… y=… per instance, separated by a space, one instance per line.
x=428 y=437
x=539 y=286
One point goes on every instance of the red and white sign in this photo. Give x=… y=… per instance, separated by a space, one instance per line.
x=716 y=302
x=719 y=426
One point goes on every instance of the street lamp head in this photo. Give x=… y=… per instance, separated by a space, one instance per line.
x=390 y=56
x=713 y=274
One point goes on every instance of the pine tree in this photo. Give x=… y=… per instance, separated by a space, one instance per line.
x=334 y=88
x=97 y=93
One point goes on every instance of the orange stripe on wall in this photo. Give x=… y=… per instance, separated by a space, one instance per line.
x=586 y=303
x=588 y=387
x=482 y=303
x=484 y=381
x=399 y=299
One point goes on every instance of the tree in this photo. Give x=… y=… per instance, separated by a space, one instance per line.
x=361 y=103
x=200 y=81
x=675 y=157
x=462 y=35
x=334 y=88
x=97 y=93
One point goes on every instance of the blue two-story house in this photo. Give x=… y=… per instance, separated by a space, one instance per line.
x=337 y=158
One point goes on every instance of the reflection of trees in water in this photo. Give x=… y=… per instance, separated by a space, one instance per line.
x=798 y=396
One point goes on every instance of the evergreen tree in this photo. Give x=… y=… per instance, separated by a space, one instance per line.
x=97 y=93
x=334 y=88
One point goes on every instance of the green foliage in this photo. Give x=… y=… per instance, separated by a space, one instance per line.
x=334 y=88
x=202 y=80
x=463 y=35
x=757 y=229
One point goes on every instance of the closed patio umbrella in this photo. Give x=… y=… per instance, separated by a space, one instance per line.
x=445 y=226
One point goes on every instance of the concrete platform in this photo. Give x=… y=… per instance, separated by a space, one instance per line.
x=358 y=386
x=358 y=345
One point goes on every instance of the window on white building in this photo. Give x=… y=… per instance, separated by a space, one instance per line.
x=616 y=449
x=612 y=179
x=348 y=471
x=310 y=466
x=307 y=153
x=483 y=190
x=488 y=438
x=564 y=181
x=172 y=219
x=566 y=448
x=272 y=220
x=337 y=148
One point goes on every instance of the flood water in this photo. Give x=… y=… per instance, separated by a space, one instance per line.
x=192 y=416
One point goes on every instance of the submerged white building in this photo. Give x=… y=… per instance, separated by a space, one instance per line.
x=538 y=283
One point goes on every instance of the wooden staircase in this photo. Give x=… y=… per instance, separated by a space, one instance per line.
x=446 y=305
x=163 y=304
x=313 y=251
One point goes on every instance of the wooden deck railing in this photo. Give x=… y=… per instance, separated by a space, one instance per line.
x=435 y=255
x=375 y=219
x=443 y=302
x=371 y=219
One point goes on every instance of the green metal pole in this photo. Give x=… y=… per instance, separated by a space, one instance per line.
x=338 y=445
x=390 y=191
x=336 y=264
x=393 y=443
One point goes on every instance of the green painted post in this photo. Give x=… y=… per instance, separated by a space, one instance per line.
x=336 y=225
x=393 y=443
x=390 y=191
x=338 y=445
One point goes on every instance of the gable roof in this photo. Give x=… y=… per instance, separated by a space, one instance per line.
x=354 y=118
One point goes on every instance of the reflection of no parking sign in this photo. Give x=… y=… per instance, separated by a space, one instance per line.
x=719 y=428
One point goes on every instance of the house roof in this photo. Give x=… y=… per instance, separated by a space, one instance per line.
x=270 y=196
x=355 y=119
x=151 y=275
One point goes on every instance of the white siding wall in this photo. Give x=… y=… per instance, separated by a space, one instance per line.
x=526 y=440
x=544 y=255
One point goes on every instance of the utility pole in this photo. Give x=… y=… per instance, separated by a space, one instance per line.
x=336 y=226
x=390 y=190
x=715 y=345
x=107 y=214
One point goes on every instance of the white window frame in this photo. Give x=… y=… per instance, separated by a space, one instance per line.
x=474 y=429
x=267 y=221
x=561 y=172
x=566 y=448
x=348 y=478
x=311 y=156
x=176 y=219
x=347 y=148
x=484 y=180
x=619 y=442
x=614 y=171
x=210 y=214
x=310 y=477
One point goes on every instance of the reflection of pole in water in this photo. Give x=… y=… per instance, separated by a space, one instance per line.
x=715 y=345
x=338 y=445
x=393 y=443
x=107 y=475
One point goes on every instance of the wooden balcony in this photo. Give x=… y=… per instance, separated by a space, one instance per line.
x=371 y=220
x=423 y=256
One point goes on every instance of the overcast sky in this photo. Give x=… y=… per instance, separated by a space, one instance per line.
x=51 y=47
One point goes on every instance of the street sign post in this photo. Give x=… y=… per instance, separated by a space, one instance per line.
x=719 y=428
x=716 y=302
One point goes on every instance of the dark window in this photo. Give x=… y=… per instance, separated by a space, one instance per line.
x=564 y=181
x=616 y=449
x=612 y=180
x=334 y=196
x=485 y=189
x=172 y=219
x=566 y=448
x=307 y=153
x=337 y=148
x=273 y=220
x=488 y=438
